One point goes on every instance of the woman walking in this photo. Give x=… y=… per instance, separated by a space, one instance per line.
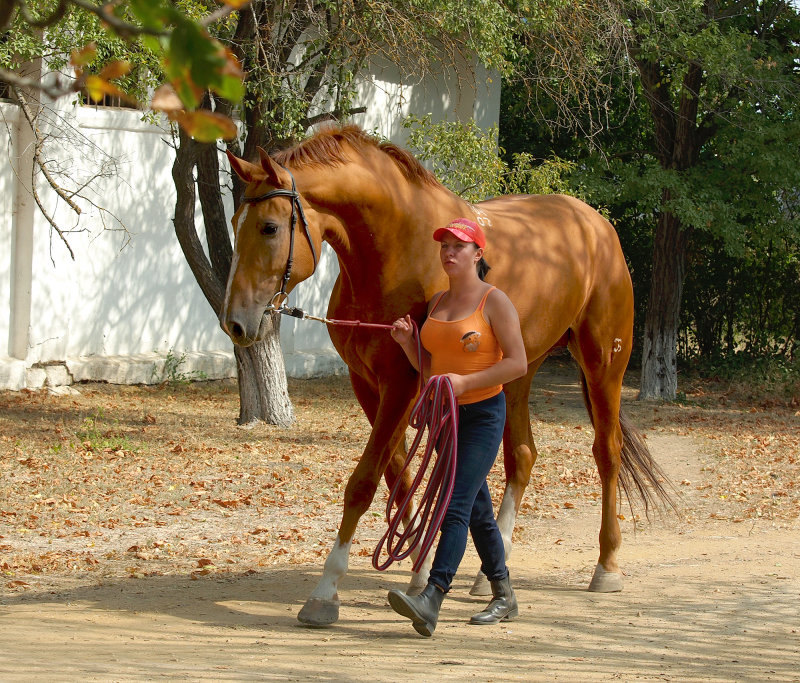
x=472 y=336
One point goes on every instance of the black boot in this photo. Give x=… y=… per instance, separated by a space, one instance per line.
x=503 y=606
x=422 y=609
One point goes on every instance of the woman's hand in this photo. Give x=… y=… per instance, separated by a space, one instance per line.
x=459 y=383
x=402 y=330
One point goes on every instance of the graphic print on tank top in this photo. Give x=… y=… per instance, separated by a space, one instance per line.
x=471 y=341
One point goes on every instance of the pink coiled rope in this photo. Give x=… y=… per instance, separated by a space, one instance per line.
x=436 y=410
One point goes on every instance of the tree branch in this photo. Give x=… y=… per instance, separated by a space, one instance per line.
x=331 y=116
x=55 y=91
x=37 y=153
x=122 y=28
x=185 y=229
x=43 y=22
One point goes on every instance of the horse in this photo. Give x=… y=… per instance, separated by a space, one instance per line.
x=376 y=205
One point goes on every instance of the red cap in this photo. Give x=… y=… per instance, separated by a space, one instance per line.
x=463 y=228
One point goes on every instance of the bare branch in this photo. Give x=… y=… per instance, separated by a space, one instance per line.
x=48 y=217
x=54 y=90
x=335 y=115
x=219 y=14
x=37 y=154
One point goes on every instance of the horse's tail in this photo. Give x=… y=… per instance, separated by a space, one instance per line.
x=640 y=477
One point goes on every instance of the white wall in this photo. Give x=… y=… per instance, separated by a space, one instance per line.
x=128 y=298
x=475 y=94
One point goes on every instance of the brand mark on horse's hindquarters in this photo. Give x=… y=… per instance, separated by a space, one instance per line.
x=481 y=216
x=617 y=345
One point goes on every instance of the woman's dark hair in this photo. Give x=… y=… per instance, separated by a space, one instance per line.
x=483 y=268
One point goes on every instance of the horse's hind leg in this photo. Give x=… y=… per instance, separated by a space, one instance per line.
x=519 y=455
x=603 y=360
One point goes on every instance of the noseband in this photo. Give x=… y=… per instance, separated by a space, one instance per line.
x=297 y=208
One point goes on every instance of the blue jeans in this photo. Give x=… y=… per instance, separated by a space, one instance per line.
x=480 y=432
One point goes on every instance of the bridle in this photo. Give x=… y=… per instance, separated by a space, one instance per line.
x=297 y=209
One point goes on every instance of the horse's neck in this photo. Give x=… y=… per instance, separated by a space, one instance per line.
x=381 y=226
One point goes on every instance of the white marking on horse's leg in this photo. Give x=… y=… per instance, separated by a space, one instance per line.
x=419 y=579
x=506 y=518
x=335 y=568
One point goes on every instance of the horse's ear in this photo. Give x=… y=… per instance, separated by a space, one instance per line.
x=276 y=174
x=244 y=169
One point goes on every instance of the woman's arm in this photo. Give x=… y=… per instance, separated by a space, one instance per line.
x=403 y=333
x=504 y=319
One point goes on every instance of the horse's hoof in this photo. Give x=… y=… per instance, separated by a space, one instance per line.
x=481 y=586
x=604 y=581
x=318 y=612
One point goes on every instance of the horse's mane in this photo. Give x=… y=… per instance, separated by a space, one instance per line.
x=325 y=148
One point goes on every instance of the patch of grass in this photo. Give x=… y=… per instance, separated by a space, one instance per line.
x=172 y=374
x=93 y=435
x=751 y=378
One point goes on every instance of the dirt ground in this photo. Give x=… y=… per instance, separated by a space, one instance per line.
x=143 y=536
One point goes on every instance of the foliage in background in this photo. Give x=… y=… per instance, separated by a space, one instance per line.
x=736 y=191
x=469 y=161
x=680 y=110
x=124 y=50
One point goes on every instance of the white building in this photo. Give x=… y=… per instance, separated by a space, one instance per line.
x=128 y=300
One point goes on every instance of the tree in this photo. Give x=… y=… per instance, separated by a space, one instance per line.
x=692 y=107
x=93 y=51
x=301 y=63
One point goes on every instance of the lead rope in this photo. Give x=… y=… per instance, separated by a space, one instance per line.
x=436 y=411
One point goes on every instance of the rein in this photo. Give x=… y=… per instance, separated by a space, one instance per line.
x=436 y=409
x=297 y=209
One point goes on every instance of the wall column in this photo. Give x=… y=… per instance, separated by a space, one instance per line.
x=24 y=142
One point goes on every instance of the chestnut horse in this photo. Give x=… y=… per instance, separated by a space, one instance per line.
x=558 y=260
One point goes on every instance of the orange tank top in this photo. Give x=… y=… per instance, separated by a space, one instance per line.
x=462 y=347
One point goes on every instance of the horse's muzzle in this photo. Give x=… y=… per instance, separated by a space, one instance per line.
x=243 y=329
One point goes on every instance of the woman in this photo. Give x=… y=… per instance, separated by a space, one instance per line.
x=471 y=335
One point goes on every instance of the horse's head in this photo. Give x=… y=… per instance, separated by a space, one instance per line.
x=273 y=249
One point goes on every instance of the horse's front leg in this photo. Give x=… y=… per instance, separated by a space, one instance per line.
x=395 y=474
x=322 y=606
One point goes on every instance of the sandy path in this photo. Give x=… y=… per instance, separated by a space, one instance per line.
x=708 y=601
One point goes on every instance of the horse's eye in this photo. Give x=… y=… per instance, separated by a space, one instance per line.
x=269 y=229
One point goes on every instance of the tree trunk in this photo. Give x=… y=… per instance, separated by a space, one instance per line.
x=677 y=145
x=659 y=354
x=263 y=393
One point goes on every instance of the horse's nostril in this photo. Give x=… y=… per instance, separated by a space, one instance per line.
x=237 y=331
